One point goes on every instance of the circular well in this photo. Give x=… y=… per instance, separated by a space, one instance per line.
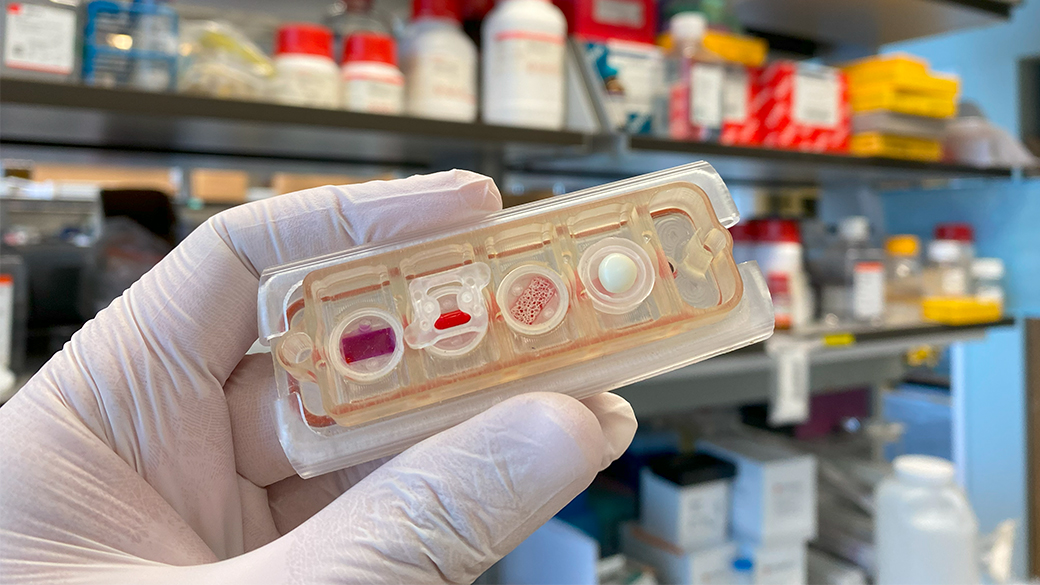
x=620 y=302
x=366 y=345
x=533 y=299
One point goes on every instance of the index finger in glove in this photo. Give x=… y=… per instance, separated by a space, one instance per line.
x=201 y=301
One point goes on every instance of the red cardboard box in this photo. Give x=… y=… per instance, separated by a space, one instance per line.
x=804 y=107
x=742 y=104
x=603 y=20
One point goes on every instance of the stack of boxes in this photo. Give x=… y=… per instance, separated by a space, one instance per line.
x=803 y=107
x=738 y=511
x=899 y=107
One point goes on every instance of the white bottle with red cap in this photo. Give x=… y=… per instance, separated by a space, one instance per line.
x=439 y=63
x=304 y=72
x=523 y=62
x=372 y=83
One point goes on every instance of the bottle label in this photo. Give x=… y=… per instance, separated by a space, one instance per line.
x=868 y=290
x=303 y=87
x=619 y=13
x=706 y=94
x=441 y=77
x=526 y=66
x=372 y=93
x=816 y=99
x=954 y=281
x=735 y=96
x=40 y=38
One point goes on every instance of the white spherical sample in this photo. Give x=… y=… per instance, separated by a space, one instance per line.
x=617 y=273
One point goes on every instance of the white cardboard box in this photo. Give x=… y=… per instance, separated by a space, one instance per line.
x=775 y=564
x=709 y=566
x=774 y=494
x=685 y=500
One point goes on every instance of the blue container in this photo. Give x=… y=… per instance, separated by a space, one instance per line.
x=130 y=45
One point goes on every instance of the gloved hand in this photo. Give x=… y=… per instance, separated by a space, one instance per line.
x=146 y=452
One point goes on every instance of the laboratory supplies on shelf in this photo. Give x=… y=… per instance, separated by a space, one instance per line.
x=40 y=40
x=774 y=493
x=685 y=499
x=851 y=274
x=804 y=107
x=778 y=250
x=693 y=83
x=630 y=75
x=950 y=256
x=903 y=279
x=524 y=59
x=741 y=106
x=130 y=45
x=925 y=529
x=891 y=146
x=775 y=562
x=824 y=569
x=892 y=124
x=439 y=63
x=381 y=346
x=604 y=20
x=218 y=60
x=960 y=310
x=305 y=72
x=372 y=83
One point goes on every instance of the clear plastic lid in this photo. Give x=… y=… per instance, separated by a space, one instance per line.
x=381 y=346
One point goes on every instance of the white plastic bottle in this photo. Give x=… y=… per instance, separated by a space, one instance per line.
x=439 y=63
x=925 y=531
x=372 y=83
x=304 y=72
x=523 y=62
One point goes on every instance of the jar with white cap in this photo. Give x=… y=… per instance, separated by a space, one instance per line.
x=304 y=72
x=950 y=256
x=694 y=81
x=989 y=276
x=440 y=63
x=372 y=82
x=925 y=530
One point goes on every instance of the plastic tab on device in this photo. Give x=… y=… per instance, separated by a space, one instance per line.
x=382 y=346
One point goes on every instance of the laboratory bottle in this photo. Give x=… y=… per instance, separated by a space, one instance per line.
x=524 y=65
x=155 y=41
x=439 y=63
x=853 y=278
x=372 y=83
x=988 y=274
x=903 y=282
x=305 y=73
x=950 y=255
x=778 y=250
x=693 y=83
x=925 y=531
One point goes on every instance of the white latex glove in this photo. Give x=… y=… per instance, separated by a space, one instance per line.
x=145 y=452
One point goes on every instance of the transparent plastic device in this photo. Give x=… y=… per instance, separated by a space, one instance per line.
x=381 y=346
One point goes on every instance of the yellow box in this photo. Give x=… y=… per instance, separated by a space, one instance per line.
x=883 y=97
x=890 y=146
x=219 y=185
x=960 y=310
x=750 y=51
x=902 y=73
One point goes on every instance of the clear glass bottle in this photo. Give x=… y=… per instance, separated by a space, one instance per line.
x=988 y=274
x=950 y=256
x=346 y=17
x=690 y=107
x=852 y=274
x=155 y=42
x=903 y=284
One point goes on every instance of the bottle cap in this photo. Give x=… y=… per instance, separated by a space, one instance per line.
x=743 y=565
x=303 y=39
x=436 y=9
x=688 y=25
x=777 y=230
x=744 y=232
x=923 y=469
x=903 y=245
x=943 y=251
x=369 y=46
x=961 y=232
x=855 y=228
x=988 y=268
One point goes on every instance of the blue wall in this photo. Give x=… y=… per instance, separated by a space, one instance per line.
x=988 y=376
